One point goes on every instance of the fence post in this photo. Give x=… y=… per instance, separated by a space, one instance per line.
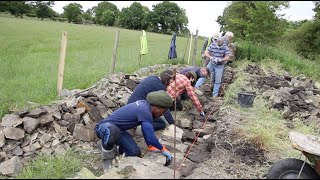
x=62 y=60
x=190 y=48
x=115 y=51
x=195 y=49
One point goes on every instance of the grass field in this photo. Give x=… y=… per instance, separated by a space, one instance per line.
x=30 y=55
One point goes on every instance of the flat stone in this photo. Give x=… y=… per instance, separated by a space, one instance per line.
x=46 y=119
x=17 y=151
x=45 y=138
x=85 y=174
x=103 y=110
x=107 y=102
x=57 y=115
x=37 y=113
x=198 y=157
x=46 y=151
x=95 y=114
x=140 y=168
x=2 y=139
x=168 y=133
x=3 y=156
x=14 y=133
x=80 y=111
x=64 y=131
x=184 y=122
x=60 y=150
x=86 y=118
x=83 y=133
x=30 y=124
x=11 y=120
x=63 y=123
x=11 y=167
x=55 y=142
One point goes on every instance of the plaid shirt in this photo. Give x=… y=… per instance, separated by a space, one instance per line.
x=184 y=84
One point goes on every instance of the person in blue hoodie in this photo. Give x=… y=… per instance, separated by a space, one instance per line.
x=151 y=84
x=113 y=134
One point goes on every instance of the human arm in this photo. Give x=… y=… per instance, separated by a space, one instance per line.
x=192 y=95
x=149 y=136
x=168 y=117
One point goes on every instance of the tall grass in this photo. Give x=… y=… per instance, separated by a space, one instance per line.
x=292 y=62
x=30 y=53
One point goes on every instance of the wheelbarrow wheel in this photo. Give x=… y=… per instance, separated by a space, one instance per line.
x=290 y=168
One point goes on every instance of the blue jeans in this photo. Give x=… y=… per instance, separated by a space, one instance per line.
x=125 y=141
x=218 y=74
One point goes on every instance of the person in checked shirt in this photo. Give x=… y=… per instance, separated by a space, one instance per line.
x=184 y=84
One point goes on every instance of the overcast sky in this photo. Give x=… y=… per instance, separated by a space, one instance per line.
x=202 y=15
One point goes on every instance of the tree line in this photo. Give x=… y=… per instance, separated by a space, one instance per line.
x=165 y=17
x=261 y=22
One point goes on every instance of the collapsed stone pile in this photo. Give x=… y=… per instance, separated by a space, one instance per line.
x=297 y=97
x=69 y=123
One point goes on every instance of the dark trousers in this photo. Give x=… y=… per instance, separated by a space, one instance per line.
x=158 y=124
x=125 y=141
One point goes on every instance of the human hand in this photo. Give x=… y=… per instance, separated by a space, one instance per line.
x=202 y=114
x=168 y=156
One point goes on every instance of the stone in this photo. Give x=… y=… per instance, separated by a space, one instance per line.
x=201 y=132
x=30 y=124
x=36 y=113
x=46 y=119
x=63 y=123
x=131 y=84
x=60 y=150
x=17 y=151
x=139 y=168
x=72 y=118
x=87 y=120
x=64 y=131
x=85 y=174
x=80 y=111
x=184 y=122
x=123 y=101
x=11 y=167
x=55 y=142
x=198 y=157
x=56 y=115
x=14 y=133
x=11 y=120
x=2 y=139
x=46 y=151
x=107 y=102
x=83 y=133
x=188 y=136
x=45 y=138
x=95 y=114
x=103 y=110
x=196 y=124
x=3 y=156
x=286 y=113
x=57 y=127
x=168 y=133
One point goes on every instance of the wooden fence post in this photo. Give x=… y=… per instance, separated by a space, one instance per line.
x=62 y=60
x=190 y=48
x=115 y=51
x=195 y=49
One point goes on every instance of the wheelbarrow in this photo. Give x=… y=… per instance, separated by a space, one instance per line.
x=292 y=168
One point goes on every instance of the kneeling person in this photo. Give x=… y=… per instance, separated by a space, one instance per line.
x=112 y=130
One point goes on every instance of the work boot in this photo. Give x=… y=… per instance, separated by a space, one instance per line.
x=107 y=157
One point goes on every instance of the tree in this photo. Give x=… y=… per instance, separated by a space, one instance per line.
x=317 y=9
x=88 y=15
x=19 y=8
x=102 y=10
x=256 y=21
x=168 y=17
x=43 y=9
x=133 y=17
x=73 y=12
x=4 y=6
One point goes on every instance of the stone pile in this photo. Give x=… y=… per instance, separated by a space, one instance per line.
x=69 y=123
x=297 y=97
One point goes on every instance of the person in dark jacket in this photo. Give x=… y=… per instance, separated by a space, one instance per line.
x=151 y=84
x=202 y=72
x=113 y=134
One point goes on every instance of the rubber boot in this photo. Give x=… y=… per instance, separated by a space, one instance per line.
x=108 y=157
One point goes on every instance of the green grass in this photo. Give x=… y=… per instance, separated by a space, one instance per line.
x=30 y=55
x=289 y=59
x=50 y=167
x=263 y=126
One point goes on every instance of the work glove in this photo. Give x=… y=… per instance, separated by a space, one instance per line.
x=166 y=153
x=217 y=60
x=202 y=114
x=153 y=149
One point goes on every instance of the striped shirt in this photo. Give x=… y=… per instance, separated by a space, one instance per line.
x=217 y=52
x=183 y=85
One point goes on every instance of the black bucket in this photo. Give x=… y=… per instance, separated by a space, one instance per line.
x=245 y=99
